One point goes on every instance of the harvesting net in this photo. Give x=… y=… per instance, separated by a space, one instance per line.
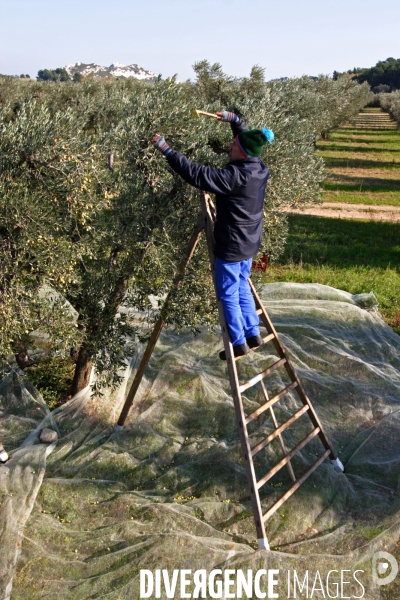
x=169 y=490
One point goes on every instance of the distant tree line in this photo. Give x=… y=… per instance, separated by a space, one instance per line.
x=383 y=77
x=59 y=74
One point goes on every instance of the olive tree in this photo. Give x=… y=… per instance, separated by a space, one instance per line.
x=107 y=235
x=49 y=184
x=391 y=103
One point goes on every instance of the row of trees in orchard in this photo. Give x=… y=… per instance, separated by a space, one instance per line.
x=390 y=103
x=104 y=239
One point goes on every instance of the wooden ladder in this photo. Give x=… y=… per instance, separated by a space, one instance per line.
x=206 y=223
x=243 y=420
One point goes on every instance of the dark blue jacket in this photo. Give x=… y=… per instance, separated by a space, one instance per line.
x=240 y=191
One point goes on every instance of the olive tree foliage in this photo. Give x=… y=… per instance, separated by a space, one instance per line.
x=295 y=169
x=101 y=239
x=58 y=226
x=323 y=102
x=391 y=103
x=110 y=240
x=299 y=111
x=47 y=185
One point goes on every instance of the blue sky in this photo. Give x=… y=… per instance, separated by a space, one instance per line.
x=286 y=37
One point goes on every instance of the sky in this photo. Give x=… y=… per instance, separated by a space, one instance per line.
x=288 y=38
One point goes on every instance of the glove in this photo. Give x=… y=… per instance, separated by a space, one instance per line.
x=163 y=147
x=230 y=117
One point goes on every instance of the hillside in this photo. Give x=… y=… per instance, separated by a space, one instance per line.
x=383 y=77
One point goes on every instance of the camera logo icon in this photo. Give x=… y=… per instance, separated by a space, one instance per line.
x=384 y=568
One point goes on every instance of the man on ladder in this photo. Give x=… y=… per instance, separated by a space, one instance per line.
x=240 y=189
x=232 y=241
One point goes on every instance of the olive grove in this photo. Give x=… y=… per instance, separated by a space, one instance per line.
x=91 y=213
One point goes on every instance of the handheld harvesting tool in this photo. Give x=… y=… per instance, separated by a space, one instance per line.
x=197 y=113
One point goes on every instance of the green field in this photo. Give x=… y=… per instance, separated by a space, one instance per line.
x=363 y=166
x=353 y=255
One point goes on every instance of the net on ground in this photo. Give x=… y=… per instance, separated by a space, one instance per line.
x=170 y=492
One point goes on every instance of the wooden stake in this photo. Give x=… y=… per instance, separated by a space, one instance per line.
x=160 y=323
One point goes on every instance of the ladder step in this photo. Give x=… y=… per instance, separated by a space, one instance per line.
x=295 y=486
x=289 y=455
x=271 y=402
x=261 y=375
x=267 y=339
x=279 y=430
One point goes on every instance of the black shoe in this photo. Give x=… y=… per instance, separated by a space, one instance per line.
x=239 y=350
x=254 y=341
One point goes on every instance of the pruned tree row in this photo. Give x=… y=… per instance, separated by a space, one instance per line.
x=92 y=214
x=391 y=104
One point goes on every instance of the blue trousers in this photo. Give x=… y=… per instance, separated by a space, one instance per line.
x=234 y=291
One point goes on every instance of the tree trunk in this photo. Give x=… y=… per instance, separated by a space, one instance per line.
x=21 y=355
x=82 y=373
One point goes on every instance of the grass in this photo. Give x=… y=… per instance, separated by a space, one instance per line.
x=371 y=109
x=352 y=255
x=367 y=161
x=363 y=197
x=348 y=183
x=363 y=166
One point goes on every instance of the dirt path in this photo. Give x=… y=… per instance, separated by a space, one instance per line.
x=341 y=210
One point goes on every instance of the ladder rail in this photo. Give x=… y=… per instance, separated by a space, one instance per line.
x=159 y=324
x=313 y=415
